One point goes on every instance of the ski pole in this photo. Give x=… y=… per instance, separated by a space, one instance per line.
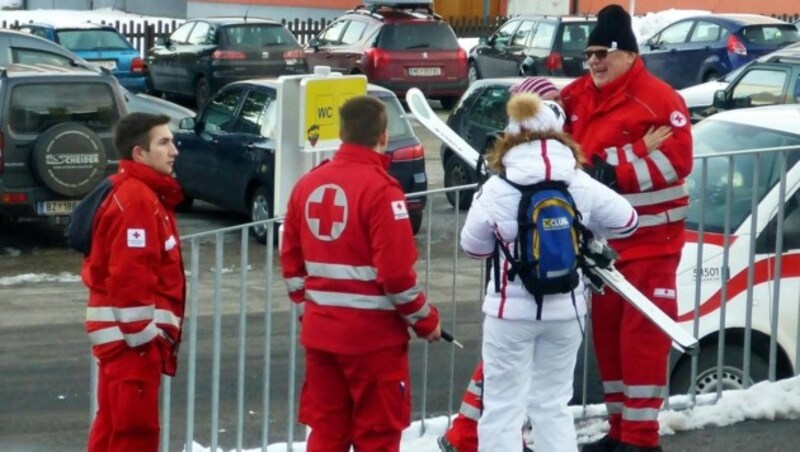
x=449 y=338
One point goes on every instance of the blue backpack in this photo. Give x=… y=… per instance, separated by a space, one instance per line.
x=547 y=250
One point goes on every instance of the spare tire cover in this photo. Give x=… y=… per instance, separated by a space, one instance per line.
x=69 y=159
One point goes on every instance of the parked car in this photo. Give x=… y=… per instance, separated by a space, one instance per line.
x=56 y=137
x=700 y=97
x=395 y=47
x=478 y=117
x=533 y=45
x=227 y=154
x=102 y=45
x=771 y=79
x=702 y=48
x=145 y=103
x=203 y=55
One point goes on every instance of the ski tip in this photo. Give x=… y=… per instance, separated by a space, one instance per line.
x=418 y=103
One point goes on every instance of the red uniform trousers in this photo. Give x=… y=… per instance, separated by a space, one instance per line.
x=632 y=352
x=127 y=395
x=463 y=434
x=360 y=400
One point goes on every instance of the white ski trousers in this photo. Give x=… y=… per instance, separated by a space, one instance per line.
x=528 y=367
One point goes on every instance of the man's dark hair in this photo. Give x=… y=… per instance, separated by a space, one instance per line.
x=362 y=119
x=134 y=130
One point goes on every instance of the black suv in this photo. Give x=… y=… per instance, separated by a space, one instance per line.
x=398 y=45
x=56 y=137
x=203 y=55
x=533 y=45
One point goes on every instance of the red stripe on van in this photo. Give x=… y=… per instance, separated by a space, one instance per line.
x=711 y=238
x=790 y=267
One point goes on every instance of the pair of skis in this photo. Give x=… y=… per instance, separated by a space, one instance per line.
x=599 y=261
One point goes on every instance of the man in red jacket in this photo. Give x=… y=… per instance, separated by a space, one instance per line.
x=136 y=283
x=635 y=131
x=348 y=257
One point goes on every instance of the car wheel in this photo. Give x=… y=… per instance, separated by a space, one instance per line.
x=185 y=205
x=260 y=209
x=711 y=75
x=448 y=102
x=416 y=220
x=69 y=159
x=456 y=173
x=707 y=378
x=473 y=73
x=202 y=91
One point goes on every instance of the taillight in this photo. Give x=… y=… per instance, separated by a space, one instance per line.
x=2 y=158
x=228 y=55
x=736 y=46
x=377 y=57
x=554 y=62
x=408 y=153
x=137 y=65
x=461 y=57
x=14 y=198
x=293 y=54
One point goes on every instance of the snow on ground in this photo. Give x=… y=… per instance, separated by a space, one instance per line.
x=39 y=278
x=71 y=17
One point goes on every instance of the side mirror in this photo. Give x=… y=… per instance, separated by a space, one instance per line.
x=314 y=43
x=162 y=41
x=187 y=123
x=720 y=100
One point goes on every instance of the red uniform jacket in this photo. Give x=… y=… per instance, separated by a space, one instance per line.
x=610 y=124
x=134 y=270
x=349 y=253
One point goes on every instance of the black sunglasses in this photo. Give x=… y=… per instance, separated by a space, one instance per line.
x=601 y=54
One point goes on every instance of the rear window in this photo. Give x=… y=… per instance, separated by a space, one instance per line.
x=777 y=35
x=543 y=36
x=412 y=36
x=257 y=36
x=399 y=128
x=36 y=107
x=575 y=36
x=92 y=40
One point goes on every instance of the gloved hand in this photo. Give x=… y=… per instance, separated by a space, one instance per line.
x=604 y=173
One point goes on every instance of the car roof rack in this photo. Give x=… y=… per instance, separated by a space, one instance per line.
x=420 y=8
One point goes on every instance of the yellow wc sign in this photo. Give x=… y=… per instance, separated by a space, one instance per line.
x=321 y=99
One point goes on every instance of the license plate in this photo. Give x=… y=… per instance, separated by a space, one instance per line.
x=424 y=71
x=107 y=64
x=56 y=207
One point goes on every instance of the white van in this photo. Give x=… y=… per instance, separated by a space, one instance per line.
x=730 y=175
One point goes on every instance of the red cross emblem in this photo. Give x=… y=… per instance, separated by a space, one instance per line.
x=326 y=212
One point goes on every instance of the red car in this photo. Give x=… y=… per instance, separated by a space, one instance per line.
x=398 y=45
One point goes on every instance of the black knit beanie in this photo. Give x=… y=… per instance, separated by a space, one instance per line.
x=613 y=30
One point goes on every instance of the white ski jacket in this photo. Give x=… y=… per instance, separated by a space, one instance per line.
x=493 y=216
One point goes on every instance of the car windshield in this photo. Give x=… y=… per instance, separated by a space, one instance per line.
x=92 y=40
x=418 y=36
x=257 y=35
x=718 y=136
x=37 y=107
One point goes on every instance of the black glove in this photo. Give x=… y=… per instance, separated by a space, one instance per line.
x=604 y=173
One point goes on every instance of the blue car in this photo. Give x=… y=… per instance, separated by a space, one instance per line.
x=102 y=45
x=702 y=48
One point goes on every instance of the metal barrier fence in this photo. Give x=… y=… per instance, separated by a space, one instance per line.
x=240 y=367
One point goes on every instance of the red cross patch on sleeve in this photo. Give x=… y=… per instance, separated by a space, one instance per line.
x=399 y=210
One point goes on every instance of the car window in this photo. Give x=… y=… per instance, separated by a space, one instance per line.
x=331 y=34
x=490 y=108
x=705 y=32
x=575 y=36
x=251 y=115
x=714 y=136
x=31 y=56
x=770 y=34
x=92 y=40
x=218 y=115
x=413 y=36
x=181 y=34
x=675 y=34
x=353 y=32
x=398 y=126
x=201 y=34
x=36 y=31
x=761 y=87
x=257 y=35
x=503 y=36
x=543 y=36
x=36 y=107
x=522 y=34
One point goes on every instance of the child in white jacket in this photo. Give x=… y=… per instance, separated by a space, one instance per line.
x=527 y=361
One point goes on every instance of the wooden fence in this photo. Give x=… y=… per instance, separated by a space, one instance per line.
x=143 y=34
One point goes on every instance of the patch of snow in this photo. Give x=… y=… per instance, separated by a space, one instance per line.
x=63 y=277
